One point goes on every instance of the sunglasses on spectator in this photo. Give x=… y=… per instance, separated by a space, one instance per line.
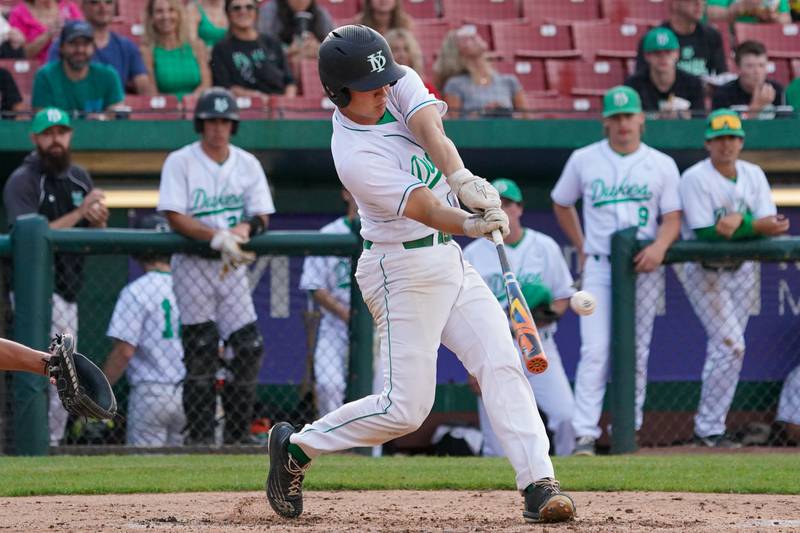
x=242 y=7
x=724 y=122
x=98 y=2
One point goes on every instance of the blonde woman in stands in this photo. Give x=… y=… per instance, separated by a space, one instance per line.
x=384 y=15
x=469 y=82
x=40 y=21
x=178 y=63
x=406 y=51
x=208 y=21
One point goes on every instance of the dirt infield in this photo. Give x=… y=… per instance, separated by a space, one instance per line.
x=397 y=511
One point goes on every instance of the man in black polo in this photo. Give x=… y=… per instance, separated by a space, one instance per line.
x=49 y=184
x=752 y=92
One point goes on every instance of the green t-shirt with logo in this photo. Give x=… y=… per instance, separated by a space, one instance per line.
x=783 y=7
x=100 y=89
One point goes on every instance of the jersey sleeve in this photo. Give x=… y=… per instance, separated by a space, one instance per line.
x=127 y=319
x=568 y=187
x=313 y=276
x=698 y=208
x=173 y=189
x=670 y=197
x=557 y=277
x=377 y=180
x=258 y=200
x=410 y=95
x=764 y=206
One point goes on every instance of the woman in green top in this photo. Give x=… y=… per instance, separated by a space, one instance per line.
x=207 y=20
x=179 y=64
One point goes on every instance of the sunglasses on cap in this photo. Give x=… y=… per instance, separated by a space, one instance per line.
x=726 y=122
x=242 y=7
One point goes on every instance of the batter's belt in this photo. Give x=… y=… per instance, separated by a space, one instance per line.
x=422 y=242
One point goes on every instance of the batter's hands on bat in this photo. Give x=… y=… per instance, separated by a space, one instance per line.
x=227 y=243
x=772 y=225
x=649 y=258
x=473 y=191
x=492 y=219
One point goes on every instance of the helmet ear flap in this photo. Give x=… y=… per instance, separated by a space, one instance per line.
x=198 y=126
x=340 y=98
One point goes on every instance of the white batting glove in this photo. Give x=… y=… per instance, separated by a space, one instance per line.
x=473 y=191
x=232 y=254
x=492 y=219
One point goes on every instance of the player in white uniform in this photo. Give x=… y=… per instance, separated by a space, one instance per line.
x=145 y=327
x=623 y=183
x=789 y=406
x=214 y=191
x=723 y=198
x=546 y=283
x=391 y=153
x=328 y=279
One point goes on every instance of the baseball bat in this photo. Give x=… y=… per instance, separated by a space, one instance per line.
x=525 y=333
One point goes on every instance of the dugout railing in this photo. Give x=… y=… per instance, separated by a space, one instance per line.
x=679 y=343
x=32 y=245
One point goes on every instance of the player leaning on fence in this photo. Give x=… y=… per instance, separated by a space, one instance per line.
x=724 y=198
x=214 y=191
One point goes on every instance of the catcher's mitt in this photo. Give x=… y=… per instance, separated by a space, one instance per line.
x=543 y=315
x=82 y=387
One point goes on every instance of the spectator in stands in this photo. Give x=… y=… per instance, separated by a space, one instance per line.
x=384 y=15
x=74 y=84
x=247 y=63
x=49 y=184
x=112 y=49
x=207 y=21
x=663 y=87
x=752 y=89
x=749 y=11
x=40 y=21
x=179 y=65
x=793 y=94
x=12 y=41
x=10 y=99
x=406 y=51
x=701 y=51
x=470 y=83
x=299 y=24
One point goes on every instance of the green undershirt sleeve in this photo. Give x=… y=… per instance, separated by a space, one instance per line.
x=744 y=231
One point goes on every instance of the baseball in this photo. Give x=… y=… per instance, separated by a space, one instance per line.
x=582 y=302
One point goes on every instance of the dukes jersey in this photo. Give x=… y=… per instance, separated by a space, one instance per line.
x=618 y=191
x=536 y=258
x=146 y=317
x=381 y=164
x=331 y=273
x=220 y=196
x=708 y=196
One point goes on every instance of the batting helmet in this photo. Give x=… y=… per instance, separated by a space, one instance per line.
x=157 y=222
x=216 y=102
x=355 y=57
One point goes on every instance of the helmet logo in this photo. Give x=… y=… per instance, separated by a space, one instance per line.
x=220 y=105
x=377 y=61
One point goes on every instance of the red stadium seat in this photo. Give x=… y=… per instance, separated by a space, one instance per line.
x=300 y=108
x=795 y=68
x=607 y=40
x=421 y=9
x=584 y=77
x=253 y=107
x=159 y=107
x=132 y=10
x=340 y=9
x=619 y=10
x=309 y=79
x=430 y=35
x=779 y=70
x=563 y=106
x=560 y=10
x=488 y=10
x=724 y=32
x=132 y=30
x=23 y=71
x=532 y=40
x=484 y=29
x=781 y=40
x=530 y=72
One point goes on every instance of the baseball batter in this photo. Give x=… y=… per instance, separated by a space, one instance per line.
x=544 y=276
x=145 y=327
x=407 y=178
x=623 y=183
x=214 y=191
x=723 y=198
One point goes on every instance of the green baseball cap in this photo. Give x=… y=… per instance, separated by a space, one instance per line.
x=536 y=294
x=659 y=39
x=621 y=99
x=508 y=189
x=724 y=122
x=49 y=117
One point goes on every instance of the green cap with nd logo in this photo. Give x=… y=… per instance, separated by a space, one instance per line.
x=724 y=123
x=659 y=39
x=49 y=117
x=508 y=189
x=621 y=99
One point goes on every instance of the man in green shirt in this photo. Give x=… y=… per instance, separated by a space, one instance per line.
x=73 y=83
x=749 y=11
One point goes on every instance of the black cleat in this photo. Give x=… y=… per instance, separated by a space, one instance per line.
x=544 y=502
x=285 y=480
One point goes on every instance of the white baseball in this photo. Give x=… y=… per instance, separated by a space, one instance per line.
x=582 y=302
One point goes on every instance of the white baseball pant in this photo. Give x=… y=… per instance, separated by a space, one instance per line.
x=789 y=404
x=155 y=415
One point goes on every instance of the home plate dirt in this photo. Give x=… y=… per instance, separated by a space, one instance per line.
x=398 y=511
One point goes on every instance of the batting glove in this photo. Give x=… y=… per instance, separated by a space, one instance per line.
x=492 y=219
x=232 y=254
x=473 y=191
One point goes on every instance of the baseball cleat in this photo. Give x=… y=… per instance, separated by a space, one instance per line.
x=723 y=441
x=285 y=479
x=544 y=502
x=584 y=446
